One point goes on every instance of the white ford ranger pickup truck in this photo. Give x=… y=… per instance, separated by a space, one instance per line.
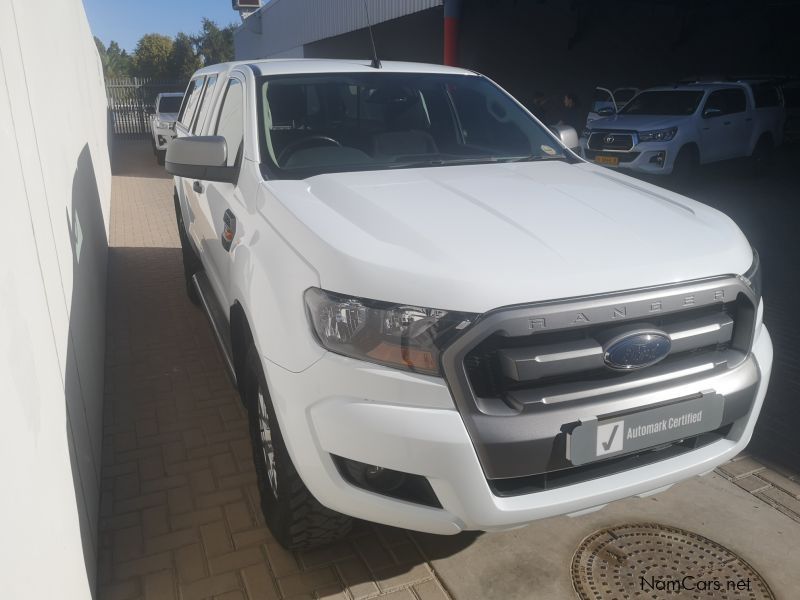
x=440 y=318
x=675 y=129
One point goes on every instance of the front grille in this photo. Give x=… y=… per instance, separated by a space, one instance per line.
x=543 y=367
x=524 y=376
x=611 y=140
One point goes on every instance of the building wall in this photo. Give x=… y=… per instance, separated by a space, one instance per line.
x=55 y=201
x=393 y=40
x=555 y=46
x=283 y=25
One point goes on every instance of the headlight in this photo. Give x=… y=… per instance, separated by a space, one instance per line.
x=397 y=335
x=752 y=278
x=164 y=124
x=658 y=135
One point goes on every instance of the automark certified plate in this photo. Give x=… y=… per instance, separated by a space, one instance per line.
x=611 y=161
x=597 y=439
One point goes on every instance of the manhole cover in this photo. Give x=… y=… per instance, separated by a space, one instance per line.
x=653 y=561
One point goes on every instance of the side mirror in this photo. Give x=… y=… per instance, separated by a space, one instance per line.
x=711 y=112
x=606 y=111
x=567 y=135
x=200 y=157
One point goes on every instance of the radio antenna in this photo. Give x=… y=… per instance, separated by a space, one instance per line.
x=376 y=64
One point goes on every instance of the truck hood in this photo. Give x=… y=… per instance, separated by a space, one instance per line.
x=473 y=238
x=638 y=122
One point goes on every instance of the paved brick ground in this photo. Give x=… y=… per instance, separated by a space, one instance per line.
x=180 y=515
x=179 y=510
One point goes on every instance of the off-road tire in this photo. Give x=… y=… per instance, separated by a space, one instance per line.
x=191 y=264
x=763 y=155
x=686 y=165
x=295 y=518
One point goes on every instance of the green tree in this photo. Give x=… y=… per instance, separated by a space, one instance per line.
x=185 y=60
x=116 y=62
x=215 y=45
x=153 y=56
x=119 y=61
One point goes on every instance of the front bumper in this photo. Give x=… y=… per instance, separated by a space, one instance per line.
x=162 y=137
x=654 y=158
x=408 y=422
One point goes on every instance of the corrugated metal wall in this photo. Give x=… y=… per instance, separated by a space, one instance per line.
x=284 y=25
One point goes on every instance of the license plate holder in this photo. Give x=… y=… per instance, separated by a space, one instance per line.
x=608 y=161
x=598 y=438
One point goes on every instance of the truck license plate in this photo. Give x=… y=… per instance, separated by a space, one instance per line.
x=611 y=161
x=597 y=439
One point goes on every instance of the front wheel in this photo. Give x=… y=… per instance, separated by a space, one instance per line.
x=191 y=264
x=293 y=515
x=161 y=157
x=763 y=156
x=685 y=167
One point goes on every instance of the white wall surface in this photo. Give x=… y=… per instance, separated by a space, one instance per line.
x=56 y=183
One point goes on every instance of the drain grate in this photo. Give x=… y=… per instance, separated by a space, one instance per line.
x=654 y=561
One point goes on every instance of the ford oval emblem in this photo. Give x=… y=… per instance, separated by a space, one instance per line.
x=637 y=349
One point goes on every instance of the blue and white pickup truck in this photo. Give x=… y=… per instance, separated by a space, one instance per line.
x=673 y=129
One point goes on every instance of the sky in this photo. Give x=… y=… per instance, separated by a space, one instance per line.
x=125 y=21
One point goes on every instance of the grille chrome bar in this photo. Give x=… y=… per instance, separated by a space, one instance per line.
x=529 y=363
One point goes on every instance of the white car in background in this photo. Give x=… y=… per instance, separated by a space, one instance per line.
x=162 y=122
x=676 y=128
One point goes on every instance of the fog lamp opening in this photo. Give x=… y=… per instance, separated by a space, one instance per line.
x=658 y=158
x=387 y=482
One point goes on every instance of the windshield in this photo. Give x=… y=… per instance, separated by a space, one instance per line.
x=664 y=102
x=313 y=124
x=169 y=104
x=624 y=95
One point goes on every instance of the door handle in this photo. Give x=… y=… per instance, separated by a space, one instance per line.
x=198 y=187
x=748 y=119
x=727 y=123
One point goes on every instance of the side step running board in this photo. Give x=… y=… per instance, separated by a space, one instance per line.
x=218 y=320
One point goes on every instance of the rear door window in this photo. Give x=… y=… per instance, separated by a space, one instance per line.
x=190 y=101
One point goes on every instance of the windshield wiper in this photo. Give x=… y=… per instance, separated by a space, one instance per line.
x=535 y=158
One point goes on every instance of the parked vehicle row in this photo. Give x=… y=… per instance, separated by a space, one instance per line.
x=438 y=317
x=674 y=129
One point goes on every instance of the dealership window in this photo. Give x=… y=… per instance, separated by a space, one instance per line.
x=230 y=124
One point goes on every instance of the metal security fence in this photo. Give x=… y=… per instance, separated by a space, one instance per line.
x=131 y=103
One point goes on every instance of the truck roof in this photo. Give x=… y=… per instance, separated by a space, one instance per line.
x=698 y=86
x=288 y=66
